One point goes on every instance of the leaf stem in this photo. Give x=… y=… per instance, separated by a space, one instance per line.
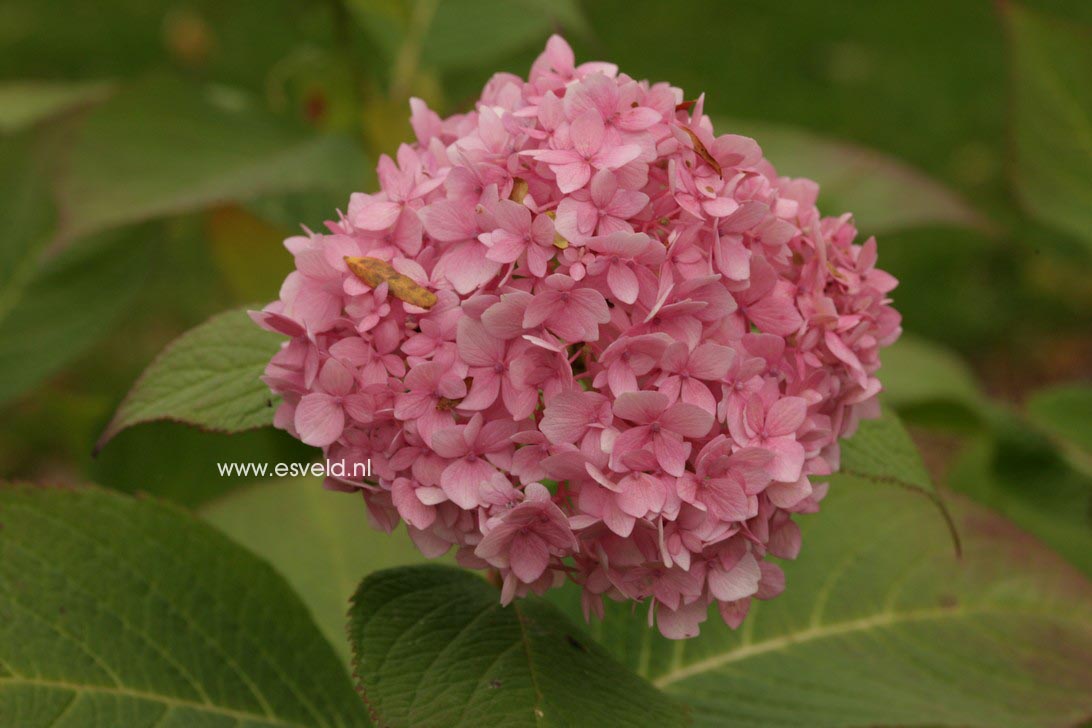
x=406 y=63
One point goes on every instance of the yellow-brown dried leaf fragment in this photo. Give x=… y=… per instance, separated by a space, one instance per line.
x=373 y=272
x=559 y=241
x=702 y=151
x=519 y=190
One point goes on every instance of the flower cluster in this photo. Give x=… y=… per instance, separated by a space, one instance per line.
x=579 y=335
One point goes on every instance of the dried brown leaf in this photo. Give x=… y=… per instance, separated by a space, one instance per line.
x=519 y=190
x=374 y=272
x=701 y=151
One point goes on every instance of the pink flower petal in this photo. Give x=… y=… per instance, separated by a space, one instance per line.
x=640 y=407
x=739 y=582
x=566 y=417
x=335 y=378
x=449 y=221
x=476 y=346
x=466 y=267
x=671 y=452
x=788 y=459
x=682 y=623
x=641 y=494
x=711 y=361
x=727 y=501
x=615 y=157
x=687 y=420
x=319 y=419
x=587 y=132
x=572 y=176
x=528 y=557
x=375 y=215
x=623 y=282
x=785 y=416
x=775 y=315
x=463 y=479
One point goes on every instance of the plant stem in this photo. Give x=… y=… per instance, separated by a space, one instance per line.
x=408 y=59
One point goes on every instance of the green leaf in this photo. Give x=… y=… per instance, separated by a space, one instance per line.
x=881 y=451
x=883 y=193
x=208 y=377
x=455 y=34
x=164 y=147
x=28 y=212
x=947 y=278
x=917 y=372
x=66 y=306
x=126 y=612
x=433 y=646
x=53 y=304
x=319 y=540
x=248 y=251
x=1052 y=119
x=182 y=463
x=880 y=624
x=25 y=103
x=1030 y=484
x=1064 y=413
x=498 y=27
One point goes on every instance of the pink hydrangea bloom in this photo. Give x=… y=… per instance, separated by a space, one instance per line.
x=581 y=336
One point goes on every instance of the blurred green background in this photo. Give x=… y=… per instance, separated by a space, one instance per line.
x=154 y=153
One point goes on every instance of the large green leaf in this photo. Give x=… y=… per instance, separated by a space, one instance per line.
x=918 y=372
x=881 y=450
x=120 y=38
x=880 y=624
x=207 y=377
x=24 y=103
x=28 y=212
x=432 y=646
x=883 y=193
x=497 y=27
x=1029 y=483
x=125 y=612
x=1064 y=413
x=317 y=539
x=947 y=277
x=164 y=147
x=66 y=305
x=182 y=463
x=452 y=34
x=1052 y=118
x=882 y=621
x=248 y=251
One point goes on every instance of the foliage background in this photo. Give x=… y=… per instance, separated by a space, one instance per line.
x=154 y=153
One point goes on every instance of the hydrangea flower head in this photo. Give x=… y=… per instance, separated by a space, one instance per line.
x=581 y=336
